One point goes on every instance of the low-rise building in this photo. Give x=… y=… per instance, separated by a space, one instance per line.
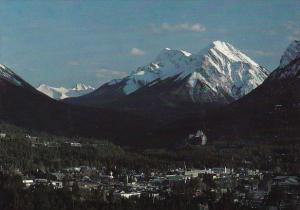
x=126 y=195
x=28 y=182
x=57 y=184
x=2 y=135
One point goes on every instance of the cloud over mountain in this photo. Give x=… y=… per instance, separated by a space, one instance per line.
x=137 y=52
x=193 y=27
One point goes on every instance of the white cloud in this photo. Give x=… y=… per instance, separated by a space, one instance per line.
x=137 y=52
x=108 y=74
x=196 y=27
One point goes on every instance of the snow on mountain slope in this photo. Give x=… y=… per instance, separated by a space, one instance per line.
x=284 y=70
x=56 y=93
x=225 y=68
x=291 y=53
x=10 y=76
x=62 y=93
x=221 y=67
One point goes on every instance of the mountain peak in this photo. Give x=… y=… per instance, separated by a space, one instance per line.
x=220 y=44
x=81 y=86
x=290 y=54
x=170 y=54
x=220 y=49
x=62 y=92
x=2 y=66
x=219 y=66
x=224 y=47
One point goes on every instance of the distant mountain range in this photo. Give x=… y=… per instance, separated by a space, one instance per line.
x=240 y=100
x=24 y=106
x=178 y=81
x=62 y=92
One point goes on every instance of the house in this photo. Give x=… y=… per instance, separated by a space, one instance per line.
x=57 y=184
x=32 y=138
x=88 y=171
x=28 y=182
x=194 y=173
x=286 y=182
x=176 y=179
x=126 y=195
x=58 y=176
x=2 y=135
x=41 y=181
x=107 y=177
x=88 y=185
x=278 y=107
x=75 y=144
x=221 y=171
x=72 y=170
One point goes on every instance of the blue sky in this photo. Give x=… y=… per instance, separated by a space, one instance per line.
x=92 y=41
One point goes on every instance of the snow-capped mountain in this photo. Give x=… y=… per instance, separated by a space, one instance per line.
x=291 y=54
x=218 y=74
x=62 y=92
x=10 y=76
x=219 y=66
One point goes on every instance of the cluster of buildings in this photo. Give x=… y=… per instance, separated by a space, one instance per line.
x=248 y=187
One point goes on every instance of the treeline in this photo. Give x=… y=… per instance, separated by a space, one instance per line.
x=52 y=153
x=16 y=151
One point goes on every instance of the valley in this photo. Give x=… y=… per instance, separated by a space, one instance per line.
x=149 y=105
